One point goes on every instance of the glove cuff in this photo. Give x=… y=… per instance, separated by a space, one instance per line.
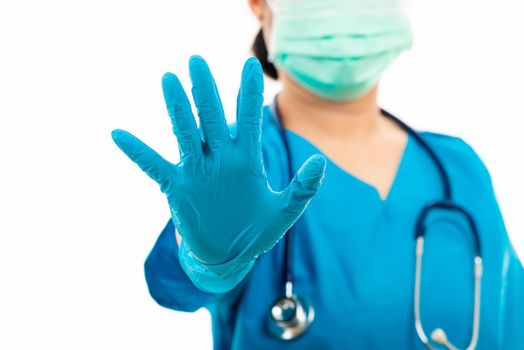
x=213 y=278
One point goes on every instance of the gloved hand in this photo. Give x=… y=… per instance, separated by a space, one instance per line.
x=220 y=200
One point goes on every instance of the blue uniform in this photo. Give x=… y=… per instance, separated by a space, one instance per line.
x=354 y=259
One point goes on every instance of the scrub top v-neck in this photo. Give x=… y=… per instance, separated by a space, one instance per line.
x=344 y=177
x=353 y=259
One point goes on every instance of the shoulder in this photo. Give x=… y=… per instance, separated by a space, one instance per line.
x=450 y=145
x=459 y=157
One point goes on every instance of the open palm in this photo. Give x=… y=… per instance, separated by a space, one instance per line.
x=219 y=196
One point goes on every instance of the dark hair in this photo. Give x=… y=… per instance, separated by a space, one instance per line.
x=259 y=49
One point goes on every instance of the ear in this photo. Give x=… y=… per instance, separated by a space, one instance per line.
x=259 y=9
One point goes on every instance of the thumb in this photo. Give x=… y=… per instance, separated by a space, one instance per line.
x=304 y=185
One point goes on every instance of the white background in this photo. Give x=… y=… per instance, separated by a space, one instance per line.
x=77 y=218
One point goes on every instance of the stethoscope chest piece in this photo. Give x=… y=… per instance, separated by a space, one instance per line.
x=290 y=317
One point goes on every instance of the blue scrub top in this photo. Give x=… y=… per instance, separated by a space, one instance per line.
x=354 y=259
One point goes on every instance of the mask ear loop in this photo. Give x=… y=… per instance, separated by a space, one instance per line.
x=270 y=44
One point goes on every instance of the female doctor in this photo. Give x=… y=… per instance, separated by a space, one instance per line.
x=321 y=221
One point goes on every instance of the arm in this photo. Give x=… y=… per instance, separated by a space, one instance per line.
x=512 y=296
x=168 y=285
x=514 y=304
x=219 y=198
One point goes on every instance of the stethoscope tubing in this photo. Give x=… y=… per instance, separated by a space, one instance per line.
x=446 y=203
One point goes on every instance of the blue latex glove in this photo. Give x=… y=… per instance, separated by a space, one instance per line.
x=220 y=200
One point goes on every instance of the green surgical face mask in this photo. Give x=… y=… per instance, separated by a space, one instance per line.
x=337 y=49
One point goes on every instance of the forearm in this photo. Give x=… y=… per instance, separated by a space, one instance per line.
x=178 y=281
x=168 y=284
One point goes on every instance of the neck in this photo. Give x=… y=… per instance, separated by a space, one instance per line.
x=304 y=112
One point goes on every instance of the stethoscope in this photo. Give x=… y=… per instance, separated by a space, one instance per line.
x=291 y=315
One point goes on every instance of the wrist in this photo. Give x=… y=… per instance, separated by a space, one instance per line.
x=214 y=278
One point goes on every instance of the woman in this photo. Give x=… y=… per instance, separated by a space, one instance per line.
x=360 y=182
